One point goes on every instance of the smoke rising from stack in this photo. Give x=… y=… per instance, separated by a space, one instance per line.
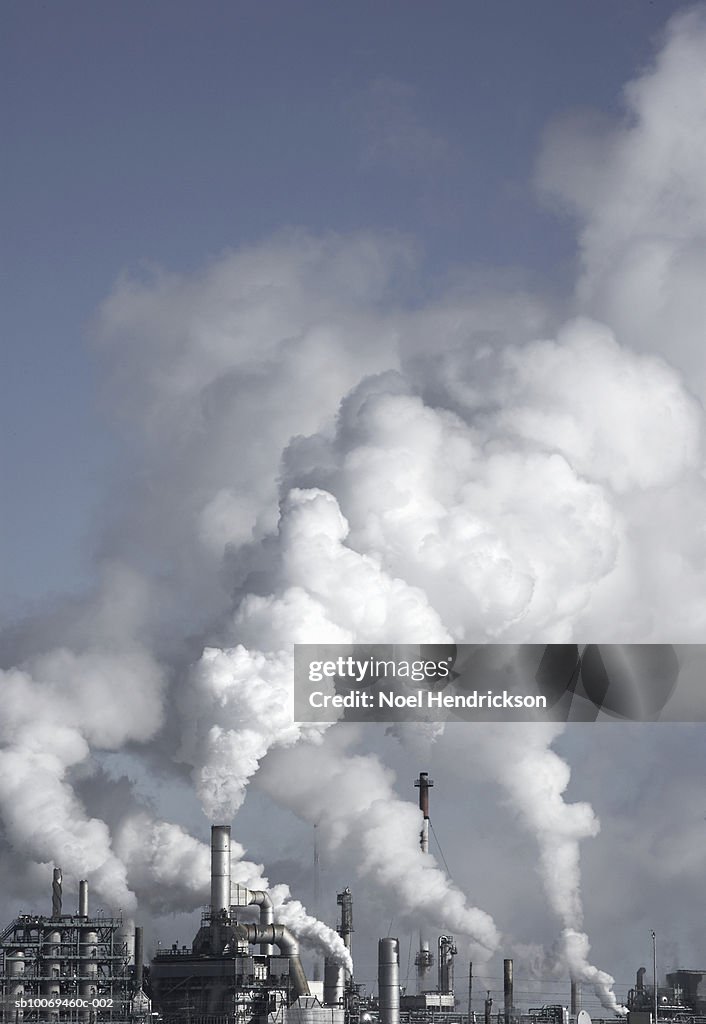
x=310 y=458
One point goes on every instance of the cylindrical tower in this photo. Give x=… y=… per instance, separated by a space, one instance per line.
x=334 y=983
x=488 y=1008
x=83 y=898
x=51 y=964
x=575 y=998
x=220 y=869
x=424 y=959
x=56 y=894
x=88 y=964
x=508 y=989
x=139 y=957
x=16 y=972
x=389 y=980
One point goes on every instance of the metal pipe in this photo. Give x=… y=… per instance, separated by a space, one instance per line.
x=470 y=992
x=220 y=869
x=139 y=957
x=281 y=936
x=507 y=989
x=56 y=893
x=488 y=1008
x=261 y=899
x=389 y=980
x=575 y=998
x=654 y=973
x=83 y=898
x=334 y=983
x=424 y=958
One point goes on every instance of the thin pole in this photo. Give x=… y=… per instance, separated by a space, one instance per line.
x=654 y=970
x=470 y=991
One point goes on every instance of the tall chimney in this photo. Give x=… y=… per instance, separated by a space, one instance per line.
x=139 y=957
x=424 y=959
x=83 y=898
x=389 y=980
x=507 y=987
x=220 y=868
x=56 y=893
x=575 y=998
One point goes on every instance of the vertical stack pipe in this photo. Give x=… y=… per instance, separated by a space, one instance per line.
x=575 y=998
x=334 y=983
x=488 y=1008
x=83 y=898
x=220 y=885
x=56 y=894
x=423 y=959
x=470 y=992
x=508 y=989
x=389 y=980
x=139 y=957
x=220 y=868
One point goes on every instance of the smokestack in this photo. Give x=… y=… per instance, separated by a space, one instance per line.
x=334 y=983
x=56 y=893
x=640 y=985
x=83 y=898
x=423 y=960
x=220 y=869
x=470 y=992
x=446 y=953
x=345 y=929
x=507 y=987
x=389 y=980
x=575 y=998
x=424 y=784
x=139 y=958
x=488 y=1008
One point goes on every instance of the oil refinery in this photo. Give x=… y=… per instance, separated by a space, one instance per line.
x=81 y=967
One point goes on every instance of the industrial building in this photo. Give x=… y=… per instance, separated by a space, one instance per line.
x=70 y=967
x=64 y=968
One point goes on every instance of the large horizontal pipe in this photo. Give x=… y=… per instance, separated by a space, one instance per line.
x=281 y=936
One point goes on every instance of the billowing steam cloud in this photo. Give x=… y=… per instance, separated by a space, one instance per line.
x=313 y=459
x=353 y=801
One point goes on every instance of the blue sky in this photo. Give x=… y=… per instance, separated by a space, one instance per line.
x=163 y=134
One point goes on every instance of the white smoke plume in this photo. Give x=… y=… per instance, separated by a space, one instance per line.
x=58 y=707
x=535 y=779
x=352 y=799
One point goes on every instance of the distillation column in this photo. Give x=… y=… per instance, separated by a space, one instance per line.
x=423 y=960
